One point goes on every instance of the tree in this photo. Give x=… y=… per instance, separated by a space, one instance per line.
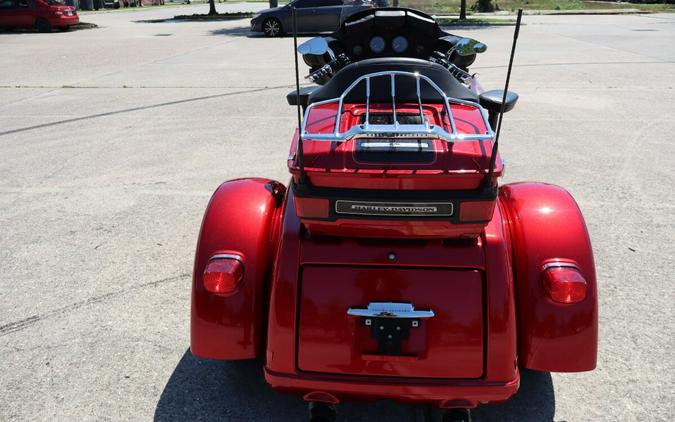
x=212 y=8
x=462 y=9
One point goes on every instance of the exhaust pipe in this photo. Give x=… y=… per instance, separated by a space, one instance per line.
x=456 y=415
x=322 y=412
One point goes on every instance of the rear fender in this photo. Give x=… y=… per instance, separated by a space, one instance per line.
x=241 y=219
x=546 y=224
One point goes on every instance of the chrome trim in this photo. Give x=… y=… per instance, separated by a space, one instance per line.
x=398 y=205
x=394 y=144
x=390 y=310
x=227 y=256
x=560 y=265
x=396 y=130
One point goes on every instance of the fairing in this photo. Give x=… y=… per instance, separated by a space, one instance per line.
x=239 y=220
x=547 y=226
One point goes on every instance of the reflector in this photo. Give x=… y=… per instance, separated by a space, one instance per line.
x=223 y=276
x=565 y=284
x=311 y=207
x=470 y=211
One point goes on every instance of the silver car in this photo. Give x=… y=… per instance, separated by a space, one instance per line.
x=314 y=16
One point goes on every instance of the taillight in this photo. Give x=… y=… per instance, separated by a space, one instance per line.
x=223 y=275
x=311 y=207
x=564 y=283
x=470 y=211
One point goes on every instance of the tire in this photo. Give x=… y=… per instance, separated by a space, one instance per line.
x=457 y=415
x=43 y=25
x=272 y=27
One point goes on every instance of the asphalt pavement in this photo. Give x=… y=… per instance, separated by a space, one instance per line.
x=112 y=140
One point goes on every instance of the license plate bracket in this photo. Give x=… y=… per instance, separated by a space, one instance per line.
x=389 y=333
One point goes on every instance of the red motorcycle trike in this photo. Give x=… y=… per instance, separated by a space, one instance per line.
x=394 y=266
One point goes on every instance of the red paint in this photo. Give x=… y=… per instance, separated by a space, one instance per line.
x=546 y=225
x=511 y=280
x=461 y=165
x=240 y=219
x=25 y=13
x=449 y=345
x=312 y=208
x=455 y=166
x=488 y=255
x=354 y=227
x=468 y=354
x=476 y=210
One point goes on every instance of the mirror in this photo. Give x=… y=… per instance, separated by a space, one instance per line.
x=317 y=46
x=467 y=47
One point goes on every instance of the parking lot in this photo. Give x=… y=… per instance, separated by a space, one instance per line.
x=112 y=140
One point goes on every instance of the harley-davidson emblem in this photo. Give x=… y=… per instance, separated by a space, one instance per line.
x=395 y=209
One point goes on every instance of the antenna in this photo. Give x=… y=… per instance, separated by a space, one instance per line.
x=493 y=155
x=300 y=159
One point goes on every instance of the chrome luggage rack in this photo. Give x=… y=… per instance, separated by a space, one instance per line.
x=396 y=130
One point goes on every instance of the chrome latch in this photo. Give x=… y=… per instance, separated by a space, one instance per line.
x=390 y=323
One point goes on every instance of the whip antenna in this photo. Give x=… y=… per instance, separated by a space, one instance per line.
x=493 y=155
x=299 y=152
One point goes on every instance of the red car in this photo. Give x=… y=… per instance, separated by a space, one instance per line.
x=395 y=265
x=44 y=15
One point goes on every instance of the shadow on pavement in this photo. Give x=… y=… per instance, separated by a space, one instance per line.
x=209 y=390
x=239 y=31
x=244 y=31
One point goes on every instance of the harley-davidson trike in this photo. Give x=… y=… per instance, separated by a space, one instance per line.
x=394 y=265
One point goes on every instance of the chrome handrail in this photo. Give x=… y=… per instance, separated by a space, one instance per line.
x=396 y=130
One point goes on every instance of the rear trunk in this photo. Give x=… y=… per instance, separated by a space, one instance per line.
x=448 y=345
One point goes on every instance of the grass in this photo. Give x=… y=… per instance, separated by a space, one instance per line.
x=133 y=9
x=218 y=17
x=474 y=21
x=452 y=6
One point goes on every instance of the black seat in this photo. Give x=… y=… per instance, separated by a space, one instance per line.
x=380 y=89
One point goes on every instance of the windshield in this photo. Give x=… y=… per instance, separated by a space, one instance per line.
x=54 y=2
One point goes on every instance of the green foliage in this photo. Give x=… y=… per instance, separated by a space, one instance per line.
x=483 y=6
x=453 y=6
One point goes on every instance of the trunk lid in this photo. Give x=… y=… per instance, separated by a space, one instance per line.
x=448 y=345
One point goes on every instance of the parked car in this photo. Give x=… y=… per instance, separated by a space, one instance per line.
x=41 y=14
x=313 y=16
x=111 y=4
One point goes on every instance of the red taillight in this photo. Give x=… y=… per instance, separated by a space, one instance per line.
x=476 y=211
x=565 y=284
x=311 y=207
x=223 y=276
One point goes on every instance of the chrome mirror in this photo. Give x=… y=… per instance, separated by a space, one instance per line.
x=467 y=47
x=317 y=46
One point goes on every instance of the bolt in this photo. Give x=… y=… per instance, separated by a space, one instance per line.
x=391 y=256
x=389 y=336
x=368 y=322
x=398 y=328
x=381 y=327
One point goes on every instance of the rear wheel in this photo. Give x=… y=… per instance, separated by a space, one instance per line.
x=272 y=27
x=43 y=25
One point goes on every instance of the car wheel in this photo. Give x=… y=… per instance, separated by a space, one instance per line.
x=272 y=27
x=43 y=25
